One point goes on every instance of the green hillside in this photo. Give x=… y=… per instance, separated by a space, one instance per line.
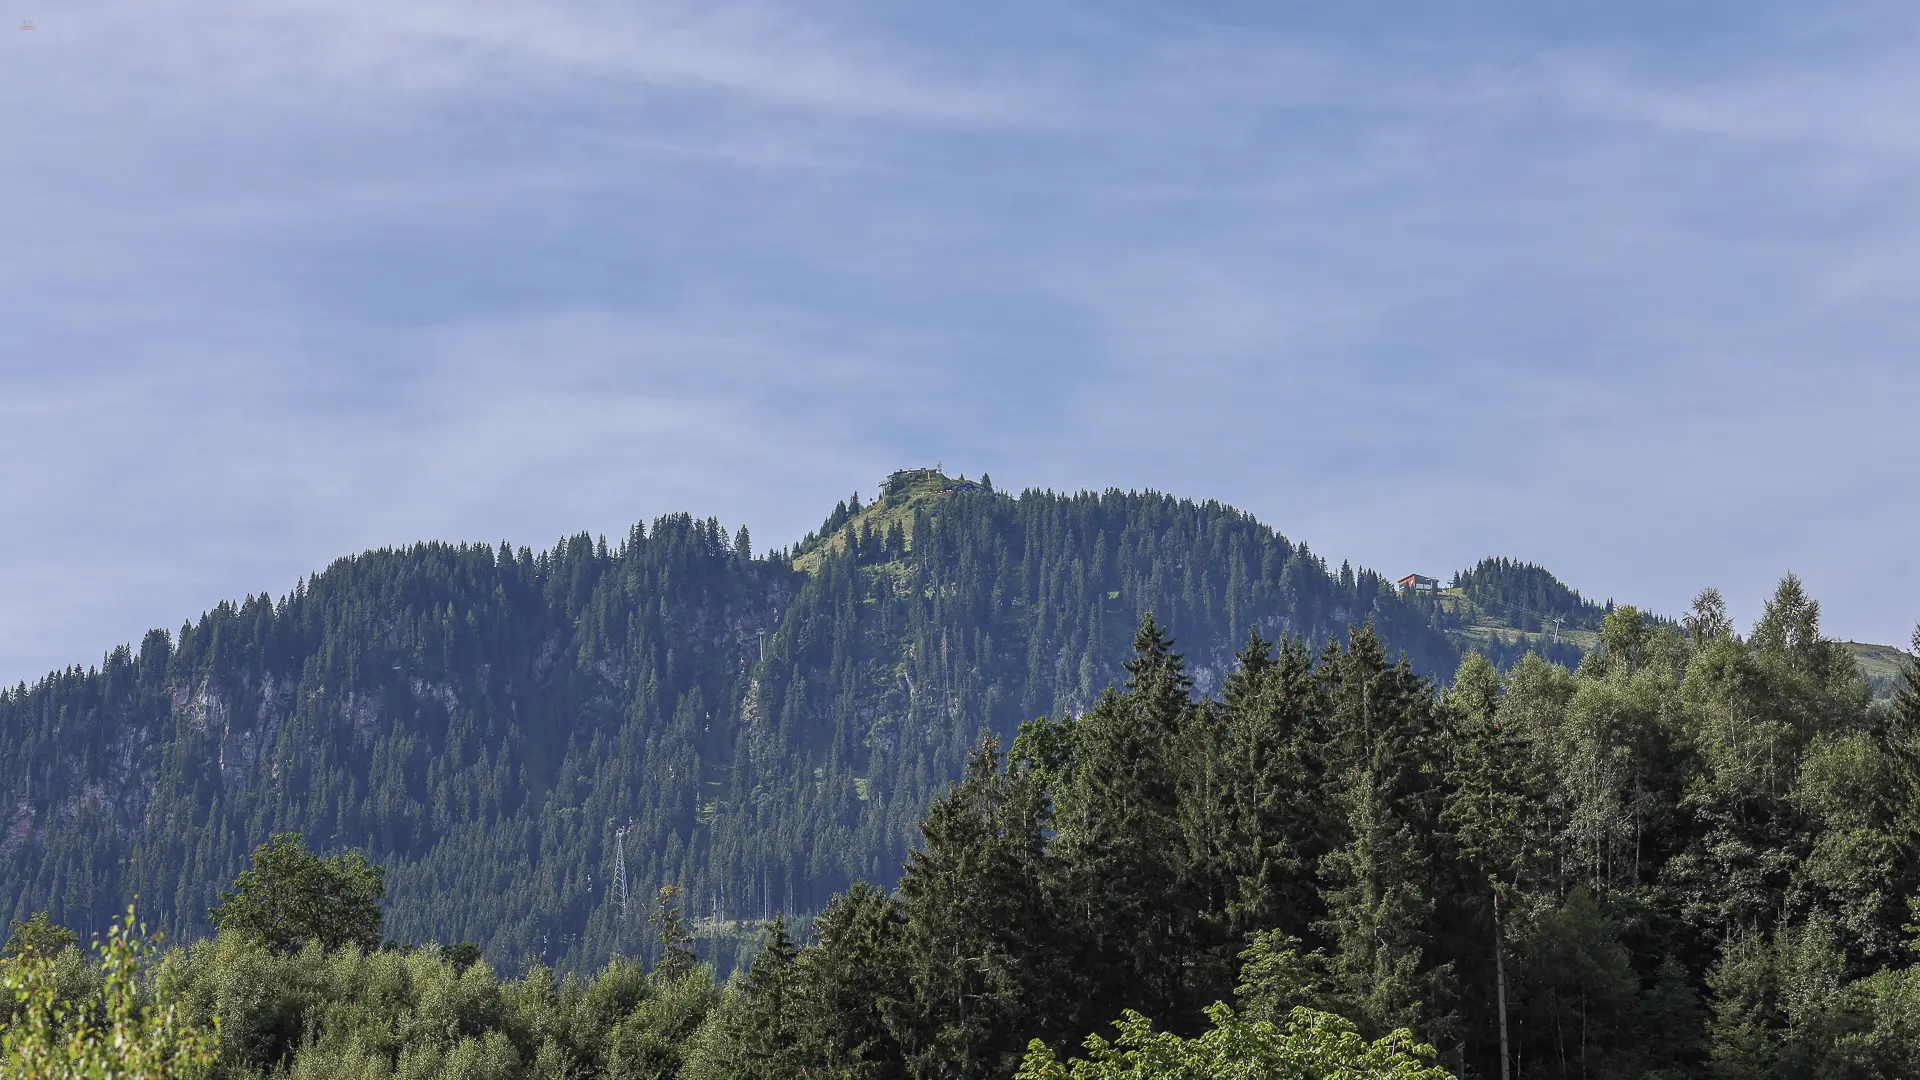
x=904 y=496
x=1690 y=859
x=1881 y=664
x=1505 y=609
x=768 y=728
x=482 y=719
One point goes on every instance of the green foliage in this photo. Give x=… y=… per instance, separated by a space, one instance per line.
x=1785 y=1009
x=676 y=937
x=1901 y=731
x=1593 y=1014
x=412 y=1013
x=1308 y=1045
x=1524 y=595
x=651 y=1042
x=755 y=1029
x=1277 y=979
x=38 y=938
x=110 y=1030
x=482 y=719
x=1119 y=833
x=1379 y=882
x=975 y=944
x=290 y=897
x=1694 y=854
x=853 y=983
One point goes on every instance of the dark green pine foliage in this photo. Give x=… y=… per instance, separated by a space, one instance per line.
x=1508 y=608
x=1263 y=787
x=484 y=720
x=1131 y=857
x=1527 y=596
x=1382 y=879
x=1693 y=857
x=757 y=1029
x=1899 y=736
x=855 y=985
x=1119 y=832
x=478 y=720
x=980 y=950
x=677 y=957
x=1495 y=823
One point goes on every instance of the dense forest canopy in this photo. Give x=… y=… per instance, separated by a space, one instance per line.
x=500 y=729
x=1528 y=595
x=1697 y=855
x=763 y=729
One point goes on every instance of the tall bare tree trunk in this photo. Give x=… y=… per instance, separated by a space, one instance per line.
x=1500 y=987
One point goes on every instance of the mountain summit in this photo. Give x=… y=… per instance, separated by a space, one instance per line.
x=765 y=729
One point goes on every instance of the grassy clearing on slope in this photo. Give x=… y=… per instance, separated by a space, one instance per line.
x=907 y=491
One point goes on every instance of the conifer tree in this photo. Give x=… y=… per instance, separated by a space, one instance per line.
x=854 y=988
x=675 y=936
x=1378 y=883
x=978 y=946
x=1120 y=837
x=1278 y=826
x=1495 y=815
x=755 y=1030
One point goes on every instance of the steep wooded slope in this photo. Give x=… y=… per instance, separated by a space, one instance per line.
x=482 y=720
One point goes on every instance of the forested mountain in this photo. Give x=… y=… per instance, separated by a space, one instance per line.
x=1688 y=853
x=766 y=729
x=1693 y=857
x=1527 y=595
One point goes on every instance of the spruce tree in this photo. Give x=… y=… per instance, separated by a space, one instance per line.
x=1278 y=824
x=854 y=989
x=1120 y=839
x=1378 y=883
x=1494 y=813
x=675 y=936
x=756 y=1032
x=978 y=944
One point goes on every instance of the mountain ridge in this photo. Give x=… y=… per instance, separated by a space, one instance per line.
x=484 y=719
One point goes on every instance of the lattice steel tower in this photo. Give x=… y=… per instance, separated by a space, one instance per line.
x=620 y=869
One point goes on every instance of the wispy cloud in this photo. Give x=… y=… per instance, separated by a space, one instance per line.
x=282 y=282
x=325 y=57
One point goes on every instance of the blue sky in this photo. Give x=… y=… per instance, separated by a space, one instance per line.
x=1627 y=292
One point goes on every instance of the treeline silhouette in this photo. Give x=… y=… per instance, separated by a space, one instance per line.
x=483 y=720
x=1694 y=856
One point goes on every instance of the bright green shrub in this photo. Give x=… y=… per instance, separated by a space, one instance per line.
x=114 y=1031
x=1309 y=1045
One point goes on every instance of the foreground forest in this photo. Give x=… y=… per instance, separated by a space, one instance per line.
x=1697 y=855
x=762 y=729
